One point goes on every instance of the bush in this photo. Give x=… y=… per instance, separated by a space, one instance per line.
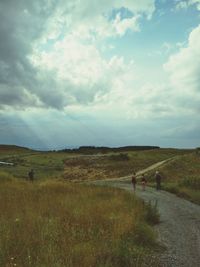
x=120 y=157
x=172 y=188
x=191 y=182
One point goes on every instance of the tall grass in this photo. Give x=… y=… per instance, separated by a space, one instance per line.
x=115 y=164
x=58 y=224
x=181 y=176
x=45 y=164
x=192 y=182
x=72 y=167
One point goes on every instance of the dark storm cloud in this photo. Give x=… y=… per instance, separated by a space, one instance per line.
x=21 y=24
x=16 y=97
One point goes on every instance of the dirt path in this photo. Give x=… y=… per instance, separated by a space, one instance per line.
x=139 y=173
x=179 y=230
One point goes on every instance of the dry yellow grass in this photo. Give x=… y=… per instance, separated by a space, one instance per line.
x=115 y=164
x=58 y=224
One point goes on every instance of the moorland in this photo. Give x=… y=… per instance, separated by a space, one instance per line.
x=59 y=220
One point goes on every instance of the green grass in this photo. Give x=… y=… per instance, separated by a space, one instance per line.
x=115 y=164
x=181 y=176
x=58 y=224
x=45 y=164
x=12 y=149
x=77 y=167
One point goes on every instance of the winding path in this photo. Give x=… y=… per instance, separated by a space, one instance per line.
x=179 y=229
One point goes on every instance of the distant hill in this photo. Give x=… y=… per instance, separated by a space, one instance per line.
x=94 y=150
x=13 y=147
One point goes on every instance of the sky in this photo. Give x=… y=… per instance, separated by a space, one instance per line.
x=103 y=73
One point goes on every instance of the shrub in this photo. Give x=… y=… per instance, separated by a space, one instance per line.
x=172 y=188
x=191 y=182
x=120 y=157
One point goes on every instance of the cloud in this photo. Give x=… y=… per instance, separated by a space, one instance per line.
x=93 y=15
x=183 y=4
x=28 y=29
x=21 y=24
x=81 y=76
x=18 y=97
x=184 y=66
x=121 y=26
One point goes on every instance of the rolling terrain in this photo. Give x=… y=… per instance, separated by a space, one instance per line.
x=179 y=228
x=69 y=221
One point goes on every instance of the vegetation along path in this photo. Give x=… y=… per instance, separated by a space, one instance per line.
x=179 y=229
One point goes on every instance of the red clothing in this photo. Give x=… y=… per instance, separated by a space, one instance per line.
x=144 y=180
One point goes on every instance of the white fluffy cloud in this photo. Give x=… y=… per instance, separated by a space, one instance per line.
x=93 y=18
x=79 y=73
x=184 y=66
x=64 y=68
x=184 y=74
x=182 y=4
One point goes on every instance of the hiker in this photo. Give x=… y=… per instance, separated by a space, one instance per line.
x=133 y=180
x=158 y=180
x=144 y=181
x=31 y=175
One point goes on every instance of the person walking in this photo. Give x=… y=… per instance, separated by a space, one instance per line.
x=144 y=181
x=133 y=180
x=158 y=180
x=31 y=175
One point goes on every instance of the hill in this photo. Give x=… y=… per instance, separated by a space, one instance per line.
x=182 y=176
x=115 y=164
x=6 y=150
x=13 y=148
x=81 y=166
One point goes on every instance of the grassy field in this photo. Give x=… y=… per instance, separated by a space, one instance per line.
x=79 y=167
x=57 y=224
x=115 y=165
x=11 y=149
x=45 y=164
x=182 y=176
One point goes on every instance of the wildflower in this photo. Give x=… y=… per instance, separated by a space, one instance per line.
x=17 y=220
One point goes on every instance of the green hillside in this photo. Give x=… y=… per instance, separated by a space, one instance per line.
x=182 y=176
x=76 y=167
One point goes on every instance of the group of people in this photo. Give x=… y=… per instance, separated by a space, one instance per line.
x=158 y=179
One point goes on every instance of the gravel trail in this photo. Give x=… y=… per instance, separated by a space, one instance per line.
x=179 y=229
